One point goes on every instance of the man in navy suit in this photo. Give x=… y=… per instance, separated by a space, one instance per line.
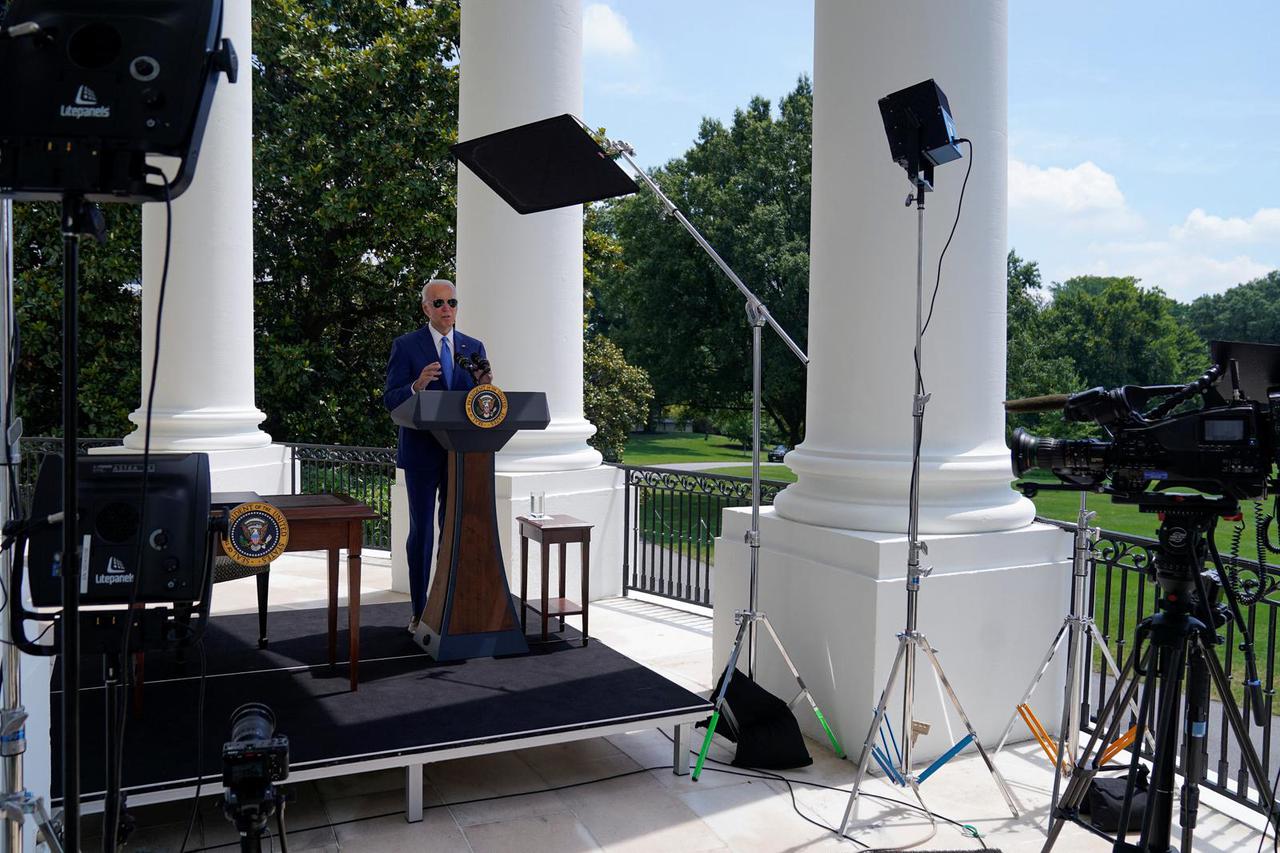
x=426 y=359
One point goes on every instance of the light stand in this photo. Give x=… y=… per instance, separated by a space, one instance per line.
x=17 y=802
x=911 y=640
x=1078 y=629
x=757 y=315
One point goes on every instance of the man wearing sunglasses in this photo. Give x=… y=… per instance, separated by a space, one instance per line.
x=426 y=360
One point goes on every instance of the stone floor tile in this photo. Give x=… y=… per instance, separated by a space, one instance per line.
x=638 y=814
x=436 y=833
x=559 y=832
x=750 y=817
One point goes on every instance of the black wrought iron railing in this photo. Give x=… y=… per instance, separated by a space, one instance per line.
x=672 y=520
x=364 y=473
x=1120 y=596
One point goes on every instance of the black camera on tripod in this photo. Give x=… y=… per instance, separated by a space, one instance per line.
x=253 y=761
x=1227 y=447
x=1218 y=437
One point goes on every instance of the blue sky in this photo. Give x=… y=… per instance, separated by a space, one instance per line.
x=1144 y=137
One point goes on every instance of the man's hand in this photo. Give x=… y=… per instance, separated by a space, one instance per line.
x=485 y=378
x=428 y=375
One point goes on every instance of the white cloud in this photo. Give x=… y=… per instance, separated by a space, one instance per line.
x=1081 y=188
x=605 y=32
x=1180 y=272
x=1263 y=225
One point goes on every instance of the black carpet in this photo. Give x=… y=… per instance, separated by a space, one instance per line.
x=406 y=702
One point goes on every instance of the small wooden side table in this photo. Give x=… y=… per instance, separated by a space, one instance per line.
x=547 y=531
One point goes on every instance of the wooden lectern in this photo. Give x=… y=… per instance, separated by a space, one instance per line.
x=469 y=613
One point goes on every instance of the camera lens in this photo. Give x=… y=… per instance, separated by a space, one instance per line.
x=252 y=722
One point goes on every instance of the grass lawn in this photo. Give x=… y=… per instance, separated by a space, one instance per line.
x=768 y=471
x=653 y=448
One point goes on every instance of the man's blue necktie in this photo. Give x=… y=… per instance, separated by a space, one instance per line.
x=446 y=361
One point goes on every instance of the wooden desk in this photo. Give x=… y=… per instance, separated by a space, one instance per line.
x=331 y=523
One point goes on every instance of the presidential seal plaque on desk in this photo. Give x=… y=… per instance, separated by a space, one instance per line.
x=469 y=611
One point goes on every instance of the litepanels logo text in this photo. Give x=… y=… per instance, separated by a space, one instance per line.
x=116 y=573
x=85 y=106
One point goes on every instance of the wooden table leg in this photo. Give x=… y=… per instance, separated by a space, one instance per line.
x=546 y=582
x=333 y=606
x=586 y=575
x=355 y=537
x=524 y=583
x=563 y=546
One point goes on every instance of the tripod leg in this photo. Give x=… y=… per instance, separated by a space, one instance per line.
x=1158 y=819
x=1031 y=688
x=1195 y=742
x=955 y=703
x=1250 y=755
x=876 y=721
x=719 y=703
x=1086 y=768
x=804 y=690
x=1127 y=687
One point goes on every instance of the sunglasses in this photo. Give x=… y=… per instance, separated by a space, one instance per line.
x=439 y=303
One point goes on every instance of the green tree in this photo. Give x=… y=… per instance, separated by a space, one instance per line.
x=1119 y=333
x=616 y=396
x=746 y=188
x=355 y=105
x=109 y=317
x=1033 y=368
x=1246 y=312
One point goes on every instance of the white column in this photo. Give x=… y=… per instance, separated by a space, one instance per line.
x=520 y=277
x=855 y=462
x=204 y=396
x=833 y=551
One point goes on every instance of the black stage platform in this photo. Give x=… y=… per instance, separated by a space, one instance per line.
x=408 y=711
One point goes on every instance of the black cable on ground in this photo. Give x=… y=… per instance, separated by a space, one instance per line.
x=764 y=775
x=769 y=774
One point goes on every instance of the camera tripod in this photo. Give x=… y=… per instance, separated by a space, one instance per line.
x=1179 y=638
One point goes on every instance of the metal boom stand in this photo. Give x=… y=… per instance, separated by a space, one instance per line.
x=757 y=315
x=912 y=640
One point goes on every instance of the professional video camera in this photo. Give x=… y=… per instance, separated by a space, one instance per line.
x=1218 y=437
x=1227 y=447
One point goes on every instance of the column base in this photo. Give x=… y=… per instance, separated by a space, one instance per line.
x=562 y=446
x=960 y=493
x=837 y=599
x=199 y=429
